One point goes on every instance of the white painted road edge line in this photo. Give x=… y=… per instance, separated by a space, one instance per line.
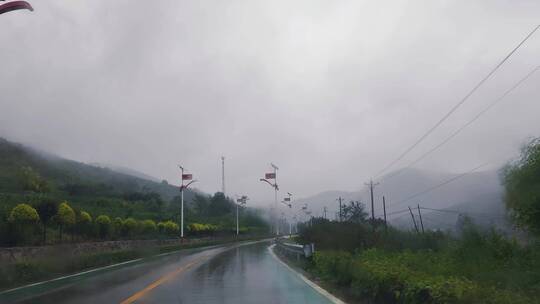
x=318 y=288
x=69 y=276
x=102 y=268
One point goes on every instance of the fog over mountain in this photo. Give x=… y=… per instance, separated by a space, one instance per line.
x=330 y=91
x=127 y=171
x=477 y=195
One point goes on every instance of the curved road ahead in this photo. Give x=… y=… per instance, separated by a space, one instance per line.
x=241 y=273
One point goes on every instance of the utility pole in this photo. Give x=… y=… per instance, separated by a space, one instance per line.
x=384 y=211
x=275 y=193
x=290 y=228
x=371 y=185
x=420 y=215
x=239 y=202
x=287 y=202
x=340 y=214
x=324 y=210
x=187 y=177
x=223 y=175
x=267 y=177
x=414 y=221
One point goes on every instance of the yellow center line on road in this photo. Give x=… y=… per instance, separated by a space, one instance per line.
x=160 y=281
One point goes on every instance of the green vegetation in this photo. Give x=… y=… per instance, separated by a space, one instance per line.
x=55 y=200
x=104 y=225
x=434 y=268
x=23 y=214
x=371 y=264
x=522 y=181
x=168 y=227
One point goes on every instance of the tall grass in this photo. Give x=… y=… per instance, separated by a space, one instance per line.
x=405 y=267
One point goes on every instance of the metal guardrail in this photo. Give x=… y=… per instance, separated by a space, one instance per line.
x=298 y=250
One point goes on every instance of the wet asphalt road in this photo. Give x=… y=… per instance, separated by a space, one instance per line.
x=244 y=273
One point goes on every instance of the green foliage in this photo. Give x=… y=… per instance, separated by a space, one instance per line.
x=148 y=226
x=44 y=180
x=337 y=236
x=47 y=209
x=27 y=270
x=352 y=236
x=85 y=218
x=32 y=181
x=201 y=203
x=22 y=219
x=129 y=226
x=478 y=268
x=117 y=225
x=23 y=214
x=200 y=229
x=219 y=205
x=65 y=215
x=354 y=212
x=104 y=225
x=522 y=185
x=169 y=227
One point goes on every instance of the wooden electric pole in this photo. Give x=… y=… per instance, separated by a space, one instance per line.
x=414 y=221
x=420 y=216
x=384 y=212
x=371 y=185
x=340 y=209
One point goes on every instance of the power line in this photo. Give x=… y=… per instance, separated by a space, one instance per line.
x=441 y=184
x=395 y=212
x=400 y=216
x=447 y=139
x=478 y=214
x=438 y=222
x=456 y=106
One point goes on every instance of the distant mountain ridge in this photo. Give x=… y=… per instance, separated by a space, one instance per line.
x=478 y=195
x=61 y=173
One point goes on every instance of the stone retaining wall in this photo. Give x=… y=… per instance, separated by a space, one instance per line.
x=10 y=255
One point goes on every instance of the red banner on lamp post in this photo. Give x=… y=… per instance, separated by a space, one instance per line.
x=187 y=177
x=270 y=176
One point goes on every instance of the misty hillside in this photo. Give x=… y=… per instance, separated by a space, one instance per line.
x=126 y=171
x=70 y=177
x=478 y=195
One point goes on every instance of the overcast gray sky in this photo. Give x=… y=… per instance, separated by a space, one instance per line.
x=330 y=91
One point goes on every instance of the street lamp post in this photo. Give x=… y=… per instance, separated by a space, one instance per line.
x=187 y=177
x=274 y=185
x=275 y=193
x=287 y=202
x=239 y=201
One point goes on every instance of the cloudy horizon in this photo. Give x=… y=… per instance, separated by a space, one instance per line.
x=330 y=92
